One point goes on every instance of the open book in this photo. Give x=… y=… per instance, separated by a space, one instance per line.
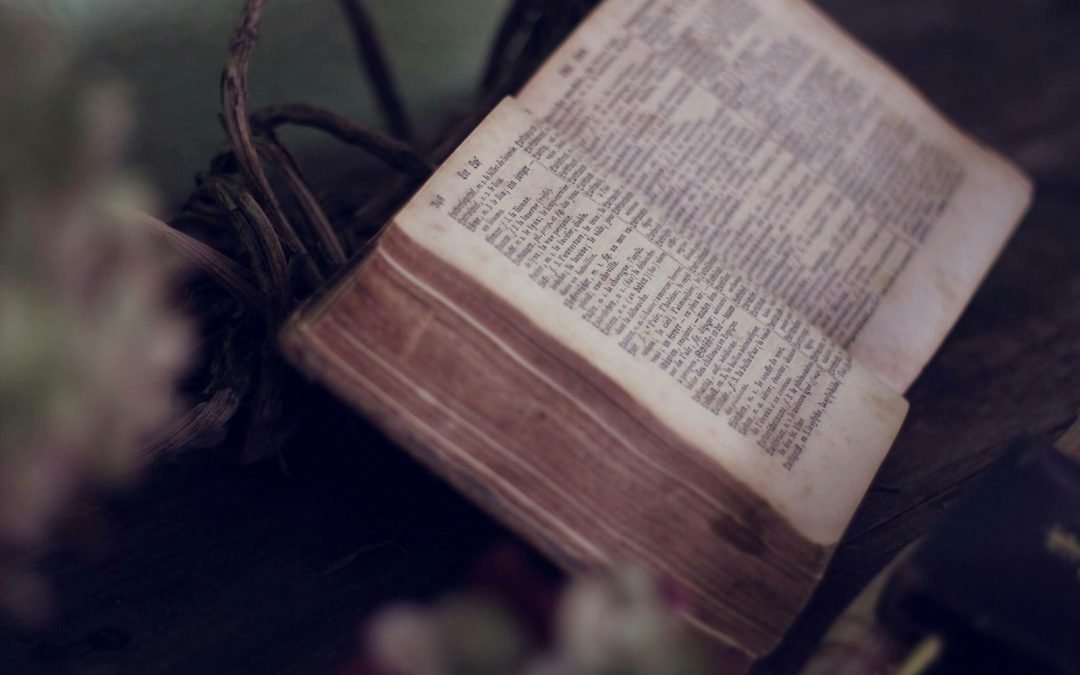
x=662 y=306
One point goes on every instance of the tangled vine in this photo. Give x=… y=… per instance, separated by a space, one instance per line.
x=266 y=239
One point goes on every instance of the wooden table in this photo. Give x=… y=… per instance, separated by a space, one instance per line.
x=212 y=568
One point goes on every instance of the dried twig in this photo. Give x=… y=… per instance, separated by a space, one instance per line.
x=329 y=245
x=210 y=415
x=257 y=234
x=371 y=58
x=267 y=430
x=394 y=153
x=234 y=96
x=517 y=21
x=527 y=35
x=232 y=277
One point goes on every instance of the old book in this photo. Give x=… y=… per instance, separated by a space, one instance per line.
x=663 y=304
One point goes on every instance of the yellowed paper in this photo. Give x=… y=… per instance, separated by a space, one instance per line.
x=770 y=144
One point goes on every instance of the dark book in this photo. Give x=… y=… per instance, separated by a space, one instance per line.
x=663 y=305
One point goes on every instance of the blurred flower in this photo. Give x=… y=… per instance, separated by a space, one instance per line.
x=462 y=634
x=90 y=346
x=617 y=623
x=623 y=623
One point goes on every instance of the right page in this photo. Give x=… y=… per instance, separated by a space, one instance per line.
x=774 y=145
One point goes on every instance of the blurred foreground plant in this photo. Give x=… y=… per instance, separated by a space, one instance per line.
x=620 y=622
x=90 y=346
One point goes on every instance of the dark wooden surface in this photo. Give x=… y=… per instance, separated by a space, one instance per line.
x=212 y=568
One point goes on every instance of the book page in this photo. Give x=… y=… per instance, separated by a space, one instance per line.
x=769 y=143
x=734 y=372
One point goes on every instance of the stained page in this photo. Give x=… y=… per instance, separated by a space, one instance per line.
x=768 y=143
